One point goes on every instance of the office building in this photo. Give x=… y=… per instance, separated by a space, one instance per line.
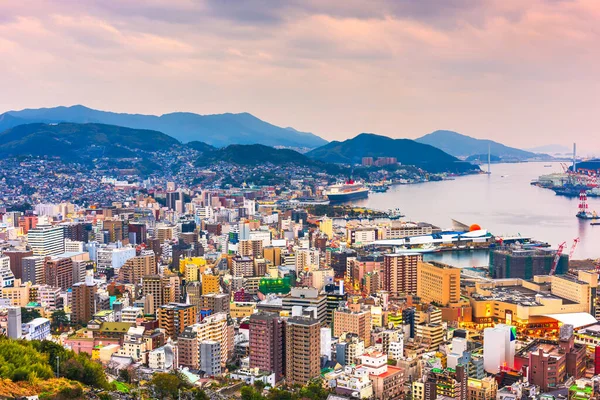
x=438 y=283
x=302 y=344
x=400 y=273
x=266 y=343
x=306 y=298
x=113 y=257
x=46 y=240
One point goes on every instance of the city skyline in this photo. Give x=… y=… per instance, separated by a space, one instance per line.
x=520 y=74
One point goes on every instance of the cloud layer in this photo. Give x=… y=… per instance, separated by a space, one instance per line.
x=521 y=72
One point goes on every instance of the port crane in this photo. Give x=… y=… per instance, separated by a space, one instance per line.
x=559 y=252
x=575 y=243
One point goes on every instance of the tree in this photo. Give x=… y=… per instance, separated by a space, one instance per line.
x=279 y=394
x=29 y=314
x=259 y=385
x=124 y=375
x=59 y=320
x=167 y=384
x=314 y=390
x=250 y=393
x=199 y=394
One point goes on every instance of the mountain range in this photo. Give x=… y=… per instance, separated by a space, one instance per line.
x=216 y=130
x=406 y=151
x=463 y=146
x=81 y=141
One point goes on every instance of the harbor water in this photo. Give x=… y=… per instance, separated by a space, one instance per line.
x=504 y=203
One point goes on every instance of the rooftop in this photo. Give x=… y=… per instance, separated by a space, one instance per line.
x=518 y=294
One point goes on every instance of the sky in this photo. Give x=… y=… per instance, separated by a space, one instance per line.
x=522 y=72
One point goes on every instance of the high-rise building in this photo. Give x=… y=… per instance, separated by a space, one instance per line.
x=273 y=254
x=302 y=345
x=210 y=284
x=28 y=222
x=448 y=383
x=260 y=267
x=358 y=322
x=339 y=261
x=307 y=259
x=16 y=261
x=400 y=273
x=58 y=272
x=138 y=233
x=14 y=323
x=326 y=226
x=306 y=298
x=210 y=357
x=174 y=317
x=211 y=328
x=116 y=228
x=242 y=266
x=46 y=240
x=7 y=278
x=152 y=289
x=84 y=298
x=33 y=270
x=438 y=283
x=430 y=334
x=137 y=267
x=216 y=302
x=266 y=343
x=499 y=347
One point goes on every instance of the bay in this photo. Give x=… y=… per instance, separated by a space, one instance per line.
x=504 y=203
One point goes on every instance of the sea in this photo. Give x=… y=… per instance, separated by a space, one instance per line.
x=503 y=202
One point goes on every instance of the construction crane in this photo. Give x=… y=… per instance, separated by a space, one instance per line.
x=575 y=242
x=559 y=252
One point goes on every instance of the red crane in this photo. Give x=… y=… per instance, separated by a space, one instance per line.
x=575 y=242
x=559 y=252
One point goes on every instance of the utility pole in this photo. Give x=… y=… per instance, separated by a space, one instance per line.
x=57 y=366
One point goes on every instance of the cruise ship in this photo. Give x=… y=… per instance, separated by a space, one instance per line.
x=347 y=191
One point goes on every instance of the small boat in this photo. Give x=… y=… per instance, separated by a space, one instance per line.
x=379 y=189
x=547 y=166
x=594 y=223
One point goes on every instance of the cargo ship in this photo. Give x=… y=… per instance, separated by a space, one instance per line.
x=347 y=191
